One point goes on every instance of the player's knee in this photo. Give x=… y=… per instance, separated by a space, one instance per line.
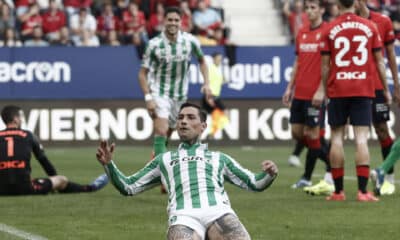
x=63 y=181
x=180 y=232
x=228 y=227
x=361 y=141
x=297 y=135
x=59 y=182
x=337 y=141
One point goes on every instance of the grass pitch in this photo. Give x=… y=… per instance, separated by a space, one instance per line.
x=277 y=213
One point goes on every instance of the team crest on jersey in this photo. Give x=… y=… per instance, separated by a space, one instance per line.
x=318 y=36
x=304 y=36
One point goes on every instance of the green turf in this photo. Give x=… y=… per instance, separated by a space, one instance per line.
x=277 y=213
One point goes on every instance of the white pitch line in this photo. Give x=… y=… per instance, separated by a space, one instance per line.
x=19 y=233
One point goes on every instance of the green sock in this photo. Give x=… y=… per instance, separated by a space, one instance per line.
x=159 y=145
x=392 y=158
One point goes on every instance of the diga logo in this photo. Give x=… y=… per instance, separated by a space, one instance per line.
x=35 y=71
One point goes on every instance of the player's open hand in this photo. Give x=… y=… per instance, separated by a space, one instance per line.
x=206 y=90
x=105 y=152
x=318 y=98
x=151 y=108
x=269 y=167
x=286 y=98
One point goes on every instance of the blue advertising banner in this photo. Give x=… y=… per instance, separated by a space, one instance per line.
x=111 y=73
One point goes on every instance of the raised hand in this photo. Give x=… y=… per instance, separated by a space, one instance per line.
x=269 y=167
x=105 y=152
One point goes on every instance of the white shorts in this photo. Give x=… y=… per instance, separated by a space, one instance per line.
x=198 y=219
x=168 y=108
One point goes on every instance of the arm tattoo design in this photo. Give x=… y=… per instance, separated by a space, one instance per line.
x=180 y=232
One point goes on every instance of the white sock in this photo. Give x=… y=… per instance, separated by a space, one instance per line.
x=328 y=178
x=390 y=178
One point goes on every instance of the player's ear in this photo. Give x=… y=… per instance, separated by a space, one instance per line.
x=203 y=126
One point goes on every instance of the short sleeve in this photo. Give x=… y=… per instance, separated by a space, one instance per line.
x=389 y=33
x=324 y=45
x=196 y=48
x=147 y=56
x=376 y=39
x=296 y=44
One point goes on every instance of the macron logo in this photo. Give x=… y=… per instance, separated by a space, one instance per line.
x=35 y=71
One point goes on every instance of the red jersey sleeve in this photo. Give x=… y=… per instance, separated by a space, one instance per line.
x=324 y=43
x=297 y=44
x=389 y=33
x=376 y=39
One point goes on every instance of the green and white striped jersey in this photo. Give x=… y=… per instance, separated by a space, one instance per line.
x=168 y=63
x=193 y=175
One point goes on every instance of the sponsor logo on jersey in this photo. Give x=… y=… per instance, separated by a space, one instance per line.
x=351 y=75
x=309 y=47
x=12 y=164
x=188 y=158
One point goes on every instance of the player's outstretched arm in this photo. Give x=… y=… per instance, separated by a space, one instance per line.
x=144 y=179
x=246 y=179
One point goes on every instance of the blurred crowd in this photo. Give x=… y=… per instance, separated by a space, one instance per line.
x=105 y=22
x=293 y=11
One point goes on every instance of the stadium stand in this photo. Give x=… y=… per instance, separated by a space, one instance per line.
x=109 y=22
x=124 y=22
x=257 y=23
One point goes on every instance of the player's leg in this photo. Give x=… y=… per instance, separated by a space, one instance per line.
x=305 y=180
x=58 y=182
x=392 y=158
x=296 y=121
x=336 y=156
x=160 y=135
x=181 y=232
x=313 y=116
x=161 y=124
x=294 y=159
x=227 y=227
x=337 y=116
x=361 y=119
x=380 y=116
x=73 y=187
x=182 y=227
x=378 y=175
x=325 y=186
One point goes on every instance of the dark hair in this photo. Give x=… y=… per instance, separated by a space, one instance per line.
x=9 y=112
x=202 y=113
x=320 y=2
x=346 y=3
x=172 y=10
x=214 y=54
